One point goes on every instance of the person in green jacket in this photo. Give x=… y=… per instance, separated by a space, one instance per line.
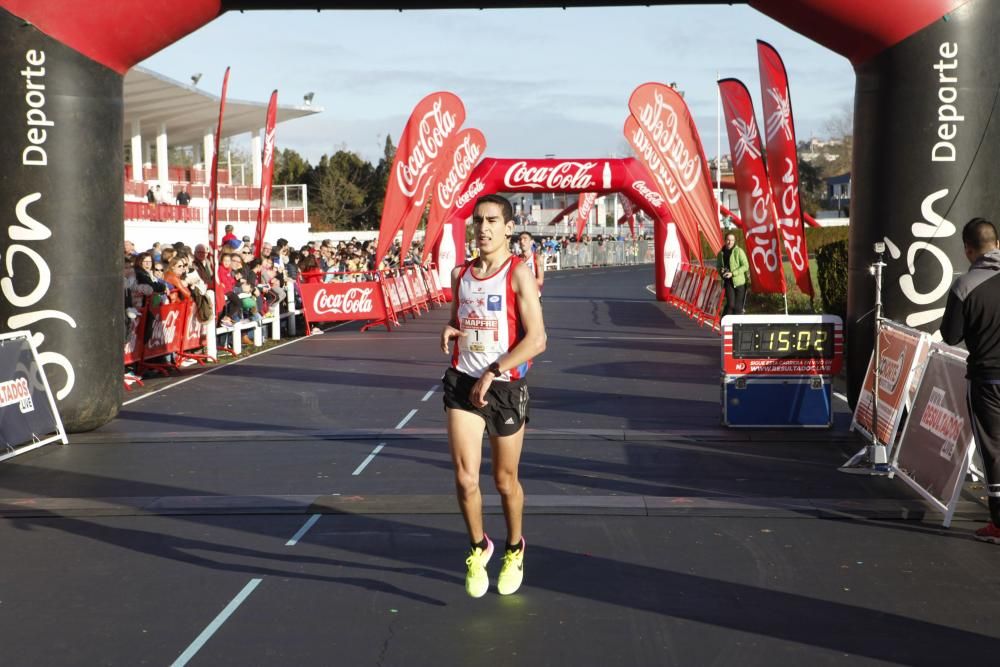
x=734 y=268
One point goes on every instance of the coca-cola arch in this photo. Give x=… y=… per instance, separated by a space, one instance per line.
x=601 y=176
x=923 y=163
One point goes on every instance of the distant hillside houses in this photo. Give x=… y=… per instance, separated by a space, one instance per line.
x=817 y=151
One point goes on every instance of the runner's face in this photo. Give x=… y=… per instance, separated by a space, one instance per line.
x=489 y=227
x=525 y=243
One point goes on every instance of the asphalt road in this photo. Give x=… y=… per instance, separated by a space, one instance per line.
x=296 y=508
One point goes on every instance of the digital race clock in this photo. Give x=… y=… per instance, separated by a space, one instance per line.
x=794 y=345
x=787 y=340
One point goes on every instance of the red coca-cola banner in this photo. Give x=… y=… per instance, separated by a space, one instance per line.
x=470 y=144
x=753 y=189
x=266 y=175
x=213 y=200
x=663 y=182
x=168 y=330
x=628 y=213
x=434 y=120
x=332 y=302
x=664 y=116
x=583 y=208
x=782 y=161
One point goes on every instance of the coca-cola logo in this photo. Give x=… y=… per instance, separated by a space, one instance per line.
x=432 y=132
x=465 y=158
x=563 y=176
x=658 y=167
x=663 y=123
x=654 y=198
x=165 y=329
x=475 y=187
x=354 y=301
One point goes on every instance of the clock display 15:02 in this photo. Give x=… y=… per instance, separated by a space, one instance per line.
x=782 y=341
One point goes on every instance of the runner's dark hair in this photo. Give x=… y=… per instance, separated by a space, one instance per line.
x=502 y=202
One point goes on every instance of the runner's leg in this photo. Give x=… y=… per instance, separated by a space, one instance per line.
x=506 y=452
x=465 y=438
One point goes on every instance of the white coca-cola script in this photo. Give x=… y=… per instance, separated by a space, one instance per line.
x=433 y=130
x=475 y=187
x=662 y=122
x=355 y=301
x=562 y=176
x=466 y=156
x=654 y=198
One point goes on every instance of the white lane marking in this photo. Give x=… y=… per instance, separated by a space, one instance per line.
x=429 y=394
x=207 y=633
x=310 y=522
x=212 y=370
x=840 y=396
x=406 y=419
x=369 y=459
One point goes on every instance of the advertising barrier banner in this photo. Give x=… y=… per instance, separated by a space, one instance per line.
x=933 y=454
x=332 y=302
x=28 y=415
x=903 y=350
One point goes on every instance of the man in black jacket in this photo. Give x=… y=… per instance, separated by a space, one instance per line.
x=973 y=314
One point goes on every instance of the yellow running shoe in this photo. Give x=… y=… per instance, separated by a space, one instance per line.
x=476 y=580
x=512 y=571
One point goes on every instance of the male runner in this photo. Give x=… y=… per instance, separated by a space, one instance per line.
x=532 y=259
x=496 y=320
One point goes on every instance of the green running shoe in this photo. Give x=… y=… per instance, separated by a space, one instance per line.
x=476 y=580
x=512 y=571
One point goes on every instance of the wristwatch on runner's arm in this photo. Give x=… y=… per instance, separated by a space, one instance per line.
x=495 y=369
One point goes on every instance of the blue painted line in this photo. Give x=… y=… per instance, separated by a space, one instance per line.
x=207 y=633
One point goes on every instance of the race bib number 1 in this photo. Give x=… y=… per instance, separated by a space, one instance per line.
x=482 y=336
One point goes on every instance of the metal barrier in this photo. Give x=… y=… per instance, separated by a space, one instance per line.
x=576 y=255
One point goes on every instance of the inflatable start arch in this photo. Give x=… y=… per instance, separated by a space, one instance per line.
x=925 y=159
x=601 y=176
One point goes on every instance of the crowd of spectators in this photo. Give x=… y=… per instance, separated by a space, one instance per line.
x=251 y=285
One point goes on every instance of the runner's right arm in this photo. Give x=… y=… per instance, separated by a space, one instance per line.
x=451 y=329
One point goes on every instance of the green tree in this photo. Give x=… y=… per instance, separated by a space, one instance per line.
x=290 y=168
x=811 y=187
x=339 y=192
x=380 y=181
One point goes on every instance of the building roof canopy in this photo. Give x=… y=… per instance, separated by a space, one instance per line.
x=190 y=113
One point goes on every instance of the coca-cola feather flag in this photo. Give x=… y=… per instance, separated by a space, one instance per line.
x=782 y=161
x=664 y=182
x=434 y=120
x=213 y=199
x=266 y=174
x=584 y=206
x=470 y=144
x=752 y=189
x=664 y=116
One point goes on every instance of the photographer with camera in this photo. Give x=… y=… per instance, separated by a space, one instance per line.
x=734 y=269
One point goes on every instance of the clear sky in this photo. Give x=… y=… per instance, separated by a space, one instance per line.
x=535 y=81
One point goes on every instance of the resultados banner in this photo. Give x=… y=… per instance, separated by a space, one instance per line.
x=434 y=122
x=752 y=189
x=782 y=161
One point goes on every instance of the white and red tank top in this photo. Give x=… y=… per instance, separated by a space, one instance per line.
x=488 y=314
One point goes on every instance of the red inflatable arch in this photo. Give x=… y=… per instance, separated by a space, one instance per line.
x=924 y=159
x=602 y=176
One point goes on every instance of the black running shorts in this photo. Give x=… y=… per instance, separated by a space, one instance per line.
x=506 y=408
